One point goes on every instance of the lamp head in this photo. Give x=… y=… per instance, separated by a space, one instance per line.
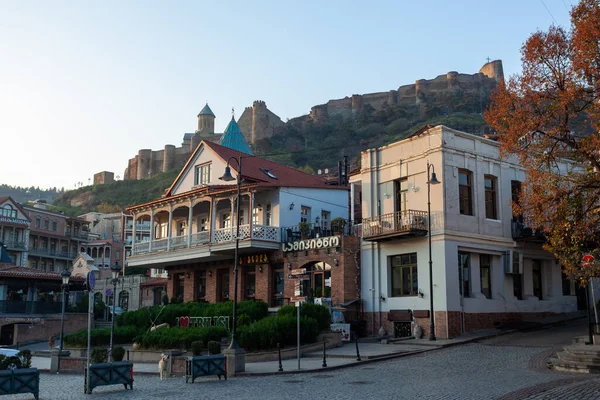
x=115 y=269
x=433 y=180
x=65 y=275
x=227 y=175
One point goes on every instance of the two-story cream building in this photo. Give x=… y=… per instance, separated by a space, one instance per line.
x=488 y=267
x=289 y=221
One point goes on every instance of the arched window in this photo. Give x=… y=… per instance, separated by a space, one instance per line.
x=8 y=211
x=94 y=252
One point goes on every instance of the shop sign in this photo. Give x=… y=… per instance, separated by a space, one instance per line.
x=298 y=271
x=328 y=282
x=298 y=299
x=14 y=221
x=343 y=329
x=319 y=243
x=254 y=259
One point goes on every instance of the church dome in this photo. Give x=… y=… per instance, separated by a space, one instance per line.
x=234 y=139
x=206 y=111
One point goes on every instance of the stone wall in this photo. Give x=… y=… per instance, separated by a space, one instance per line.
x=258 y=122
x=103 y=178
x=34 y=329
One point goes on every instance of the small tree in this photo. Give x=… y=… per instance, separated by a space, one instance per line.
x=118 y=353
x=214 y=347
x=99 y=356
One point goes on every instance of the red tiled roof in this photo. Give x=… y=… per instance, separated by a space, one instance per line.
x=155 y=282
x=12 y=271
x=253 y=169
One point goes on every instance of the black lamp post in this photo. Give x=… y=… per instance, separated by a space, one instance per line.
x=227 y=178
x=431 y=180
x=116 y=271
x=65 y=275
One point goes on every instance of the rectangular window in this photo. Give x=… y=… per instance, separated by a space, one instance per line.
x=223 y=284
x=566 y=282
x=201 y=285
x=464 y=274
x=38 y=222
x=305 y=214
x=226 y=220
x=400 y=194
x=325 y=218
x=536 y=277
x=491 y=209
x=250 y=282
x=515 y=188
x=278 y=284
x=203 y=225
x=202 y=175
x=465 y=194
x=46 y=224
x=485 y=267
x=404 y=275
x=54 y=226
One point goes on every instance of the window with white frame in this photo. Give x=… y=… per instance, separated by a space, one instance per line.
x=404 y=275
x=305 y=214
x=202 y=175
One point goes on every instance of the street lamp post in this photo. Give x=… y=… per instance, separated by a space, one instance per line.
x=227 y=177
x=65 y=275
x=431 y=180
x=116 y=270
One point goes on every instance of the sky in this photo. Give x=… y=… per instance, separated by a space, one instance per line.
x=85 y=84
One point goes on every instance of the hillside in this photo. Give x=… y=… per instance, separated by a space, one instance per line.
x=310 y=146
x=25 y=194
x=115 y=196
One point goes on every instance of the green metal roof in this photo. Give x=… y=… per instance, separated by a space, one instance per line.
x=206 y=111
x=234 y=139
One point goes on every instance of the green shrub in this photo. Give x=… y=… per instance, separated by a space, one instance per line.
x=197 y=347
x=243 y=320
x=99 y=356
x=26 y=355
x=165 y=299
x=101 y=337
x=315 y=311
x=177 y=337
x=5 y=362
x=266 y=333
x=118 y=353
x=214 y=347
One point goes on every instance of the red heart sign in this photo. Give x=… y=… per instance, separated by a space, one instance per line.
x=184 y=322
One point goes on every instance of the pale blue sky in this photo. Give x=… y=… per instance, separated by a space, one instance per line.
x=84 y=85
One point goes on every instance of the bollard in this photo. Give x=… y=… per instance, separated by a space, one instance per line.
x=357 y=352
x=127 y=355
x=324 y=360
x=279 y=352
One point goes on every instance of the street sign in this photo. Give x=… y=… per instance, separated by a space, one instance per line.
x=587 y=261
x=299 y=277
x=298 y=298
x=108 y=292
x=91 y=280
x=298 y=271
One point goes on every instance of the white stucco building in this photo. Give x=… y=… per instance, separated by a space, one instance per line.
x=488 y=268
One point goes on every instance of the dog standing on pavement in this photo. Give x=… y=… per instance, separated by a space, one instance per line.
x=162 y=366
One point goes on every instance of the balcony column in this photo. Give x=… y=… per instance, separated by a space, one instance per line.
x=189 y=230
x=251 y=214
x=133 y=234
x=169 y=227
x=151 y=230
x=213 y=216
x=232 y=219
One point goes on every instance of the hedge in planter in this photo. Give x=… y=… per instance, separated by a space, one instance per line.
x=101 y=337
x=178 y=338
x=266 y=333
x=315 y=311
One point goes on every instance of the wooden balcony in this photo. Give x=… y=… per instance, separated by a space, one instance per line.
x=398 y=225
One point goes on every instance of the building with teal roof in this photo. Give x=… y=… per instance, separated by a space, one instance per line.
x=234 y=139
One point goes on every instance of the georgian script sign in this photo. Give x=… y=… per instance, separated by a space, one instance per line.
x=254 y=259
x=319 y=243
x=195 y=322
x=14 y=221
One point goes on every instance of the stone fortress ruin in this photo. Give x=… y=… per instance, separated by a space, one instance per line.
x=258 y=122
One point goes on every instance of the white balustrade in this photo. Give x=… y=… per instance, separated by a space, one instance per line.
x=159 y=244
x=141 y=248
x=177 y=242
x=264 y=232
x=200 y=238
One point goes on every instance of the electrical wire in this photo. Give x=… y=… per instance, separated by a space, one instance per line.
x=547 y=9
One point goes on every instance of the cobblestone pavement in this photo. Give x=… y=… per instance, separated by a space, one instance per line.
x=474 y=371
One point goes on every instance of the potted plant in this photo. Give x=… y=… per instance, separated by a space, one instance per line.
x=338 y=224
x=304 y=229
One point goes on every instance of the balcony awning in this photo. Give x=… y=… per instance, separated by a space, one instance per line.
x=12 y=271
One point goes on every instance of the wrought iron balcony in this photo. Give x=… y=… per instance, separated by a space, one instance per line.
x=305 y=230
x=395 y=225
x=15 y=245
x=522 y=232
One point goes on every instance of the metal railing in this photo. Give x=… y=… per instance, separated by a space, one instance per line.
x=521 y=231
x=317 y=230
x=15 y=245
x=397 y=222
x=30 y=307
x=77 y=235
x=36 y=251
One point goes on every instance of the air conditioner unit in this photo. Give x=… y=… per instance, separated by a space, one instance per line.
x=513 y=262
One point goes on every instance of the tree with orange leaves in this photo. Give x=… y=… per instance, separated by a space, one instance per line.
x=549 y=117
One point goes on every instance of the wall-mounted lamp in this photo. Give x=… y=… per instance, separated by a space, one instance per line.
x=260 y=268
x=187 y=275
x=289 y=265
x=335 y=261
x=292 y=206
x=387 y=196
x=420 y=294
x=259 y=206
x=209 y=272
x=415 y=188
x=382 y=298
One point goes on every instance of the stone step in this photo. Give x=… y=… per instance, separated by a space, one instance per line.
x=568 y=366
x=581 y=358
x=587 y=350
x=580 y=340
